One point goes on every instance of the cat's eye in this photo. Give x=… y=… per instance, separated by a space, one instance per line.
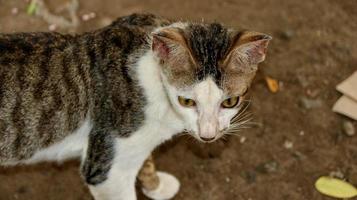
x=230 y=102
x=186 y=102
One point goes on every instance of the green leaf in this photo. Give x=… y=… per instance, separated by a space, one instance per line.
x=335 y=187
x=31 y=8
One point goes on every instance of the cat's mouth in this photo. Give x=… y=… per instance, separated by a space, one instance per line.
x=208 y=140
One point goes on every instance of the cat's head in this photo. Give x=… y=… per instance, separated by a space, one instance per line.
x=207 y=69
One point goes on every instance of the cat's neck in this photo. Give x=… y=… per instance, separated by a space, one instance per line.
x=158 y=107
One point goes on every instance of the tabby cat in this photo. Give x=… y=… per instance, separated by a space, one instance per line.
x=112 y=95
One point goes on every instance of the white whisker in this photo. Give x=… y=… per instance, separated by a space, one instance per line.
x=241 y=121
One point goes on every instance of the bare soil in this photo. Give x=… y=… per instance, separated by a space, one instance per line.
x=314 y=48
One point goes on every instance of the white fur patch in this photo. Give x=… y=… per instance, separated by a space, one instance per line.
x=207 y=119
x=161 y=123
x=70 y=147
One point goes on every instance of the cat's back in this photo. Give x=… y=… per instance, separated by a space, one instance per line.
x=42 y=91
x=48 y=82
x=146 y=22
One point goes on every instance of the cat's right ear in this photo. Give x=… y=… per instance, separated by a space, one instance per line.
x=168 y=43
x=160 y=47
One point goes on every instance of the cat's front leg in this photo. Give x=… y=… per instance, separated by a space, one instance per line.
x=118 y=186
x=109 y=174
x=157 y=185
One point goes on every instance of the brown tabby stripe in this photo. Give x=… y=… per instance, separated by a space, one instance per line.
x=19 y=124
x=29 y=107
x=45 y=58
x=22 y=110
x=60 y=116
x=43 y=92
x=8 y=104
x=83 y=70
x=70 y=88
x=2 y=87
x=48 y=99
x=78 y=81
x=17 y=114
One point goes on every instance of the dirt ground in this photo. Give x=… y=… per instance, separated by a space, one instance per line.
x=298 y=137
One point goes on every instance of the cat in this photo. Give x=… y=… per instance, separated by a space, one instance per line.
x=110 y=96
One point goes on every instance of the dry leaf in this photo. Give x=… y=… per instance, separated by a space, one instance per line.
x=335 y=187
x=273 y=84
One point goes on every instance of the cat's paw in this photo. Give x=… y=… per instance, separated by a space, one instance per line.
x=168 y=187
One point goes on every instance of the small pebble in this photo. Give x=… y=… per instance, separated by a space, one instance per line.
x=228 y=179
x=242 y=139
x=85 y=17
x=313 y=93
x=310 y=103
x=287 y=34
x=14 y=11
x=89 y=16
x=52 y=27
x=288 y=144
x=348 y=128
x=337 y=174
x=271 y=166
x=302 y=133
x=268 y=167
x=298 y=155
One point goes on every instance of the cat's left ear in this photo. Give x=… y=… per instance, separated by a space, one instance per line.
x=249 y=48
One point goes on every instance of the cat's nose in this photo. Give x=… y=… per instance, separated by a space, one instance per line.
x=208 y=133
x=208 y=129
x=210 y=139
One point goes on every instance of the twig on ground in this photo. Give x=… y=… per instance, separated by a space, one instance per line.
x=59 y=21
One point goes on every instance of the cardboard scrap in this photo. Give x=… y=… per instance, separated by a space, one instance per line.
x=347 y=104
x=349 y=86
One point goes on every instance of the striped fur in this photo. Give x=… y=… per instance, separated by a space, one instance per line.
x=49 y=82
x=44 y=89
